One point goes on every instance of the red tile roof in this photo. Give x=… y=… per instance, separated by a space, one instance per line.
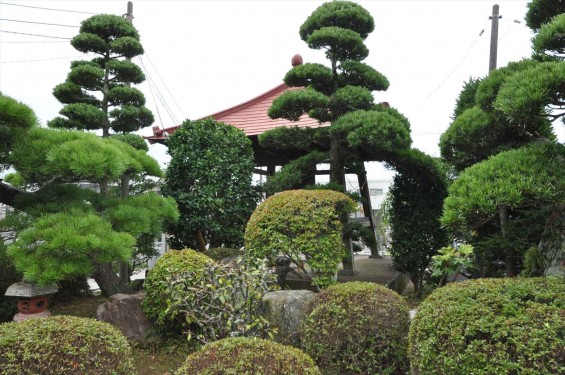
x=250 y=116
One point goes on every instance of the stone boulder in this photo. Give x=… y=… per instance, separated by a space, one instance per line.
x=283 y=309
x=124 y=311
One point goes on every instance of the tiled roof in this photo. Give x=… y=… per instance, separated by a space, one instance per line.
x=250 y=116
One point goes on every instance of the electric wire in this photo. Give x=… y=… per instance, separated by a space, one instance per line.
x=37 y=23
x=29 y=41
x=35 y=60
x=156 y=107
x=39 y=35
x=159 y=95
x=162 y=99
x=166 y=88
x=455 y=68
x=42 y=8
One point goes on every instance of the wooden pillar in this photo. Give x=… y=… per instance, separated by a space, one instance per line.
x=368 y=208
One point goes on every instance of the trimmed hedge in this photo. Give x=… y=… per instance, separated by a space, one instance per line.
x=357 y=328
x=63 y=345
x=491 y=326
x=173 y=264
x=248 y=356
x=301 y=222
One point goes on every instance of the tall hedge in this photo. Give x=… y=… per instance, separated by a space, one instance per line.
x=301 y=222
x=491 y=326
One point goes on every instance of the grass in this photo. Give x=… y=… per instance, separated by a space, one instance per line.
x=158 y=357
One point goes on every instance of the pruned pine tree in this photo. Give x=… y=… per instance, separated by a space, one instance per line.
x=96 y=92
x=340 y=94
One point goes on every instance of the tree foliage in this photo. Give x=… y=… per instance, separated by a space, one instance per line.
x=209 y=176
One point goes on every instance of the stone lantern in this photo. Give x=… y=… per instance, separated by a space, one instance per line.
x=32 y=299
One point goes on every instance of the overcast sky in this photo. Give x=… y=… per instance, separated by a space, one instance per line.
x=207 y=56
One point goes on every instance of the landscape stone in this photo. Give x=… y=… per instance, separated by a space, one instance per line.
x=283 y=309
x=125 y=312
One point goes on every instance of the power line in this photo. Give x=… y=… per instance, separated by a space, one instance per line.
x=29 y=41
x=159 y=95
x=44 y=36
x=34 y=60
x=37 y=23
x=42 y=8
x=456 y=66
x=166 y=88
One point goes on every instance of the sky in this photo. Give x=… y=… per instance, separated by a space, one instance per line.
x=206 y=56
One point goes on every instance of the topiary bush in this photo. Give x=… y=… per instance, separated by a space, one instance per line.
x=491 y=326
x=220 y=253
x=159 y=290
x=63 y=345
x=357 y=328
x=298 y=223
x=248 y=356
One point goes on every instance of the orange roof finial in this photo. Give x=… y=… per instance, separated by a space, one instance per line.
x=296 y=60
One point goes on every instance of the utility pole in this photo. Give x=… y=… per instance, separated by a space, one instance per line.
x=124 y=266
x=494 y=38
x=129 y=14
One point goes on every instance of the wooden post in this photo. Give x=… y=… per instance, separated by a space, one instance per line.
x=494 y=38
x=368 y=208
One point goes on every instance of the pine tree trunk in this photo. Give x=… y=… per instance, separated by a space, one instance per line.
x=108 y=281
x=509 y=253
x=124 y=194
x=552 y=243
x=337 y=167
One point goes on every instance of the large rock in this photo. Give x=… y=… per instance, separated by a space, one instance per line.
x=283 y=309
x=124 y=311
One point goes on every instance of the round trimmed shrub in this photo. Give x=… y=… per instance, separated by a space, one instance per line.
x=63 y=345
x=220 y=253
x=491 y=326
x=357 y=328
x=248 y=356
x=172 y=265
x=298 y=223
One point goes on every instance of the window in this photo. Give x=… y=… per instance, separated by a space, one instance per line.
x=375 y=191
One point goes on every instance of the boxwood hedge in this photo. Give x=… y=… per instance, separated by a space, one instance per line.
x=248 y=356
x=63 y=345
x=357 y=328
x=491 y=326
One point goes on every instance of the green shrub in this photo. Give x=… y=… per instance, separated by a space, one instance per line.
x=158 y=286
x=248 y=356
x=357 y=328
x=221 y=253
x=226 y=302
x=8 y=276
x=491 y=326
x=63 y=345
x=301 y=222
